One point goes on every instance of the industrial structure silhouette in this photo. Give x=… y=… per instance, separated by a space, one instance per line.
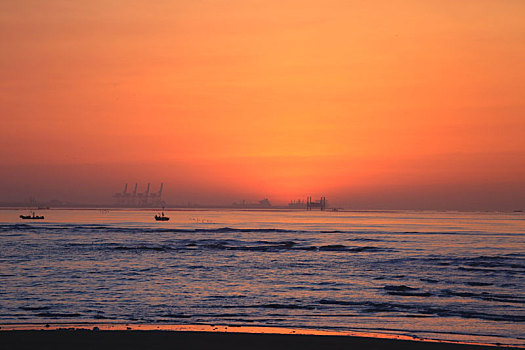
x=141 y=199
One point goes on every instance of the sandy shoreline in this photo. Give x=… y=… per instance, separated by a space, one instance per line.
x=86 y=339
x=133 y=336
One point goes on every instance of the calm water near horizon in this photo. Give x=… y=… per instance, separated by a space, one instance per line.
x=438 y=275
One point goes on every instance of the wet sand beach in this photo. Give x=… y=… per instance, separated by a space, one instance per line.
x=150 y=336
x=100 y=340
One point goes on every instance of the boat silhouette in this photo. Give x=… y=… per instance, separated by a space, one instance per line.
x=161 y=217
x=32 y=217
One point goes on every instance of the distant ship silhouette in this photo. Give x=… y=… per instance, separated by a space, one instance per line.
x=161 y=217
x=32 y=217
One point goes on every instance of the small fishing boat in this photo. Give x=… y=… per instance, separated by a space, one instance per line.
x=32 y=217
x=161 y=217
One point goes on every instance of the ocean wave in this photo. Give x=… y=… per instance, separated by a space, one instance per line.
x=494 y=261
x=124 y=228
x=34 y=308
x=485 y=271
x=504 y=298
x=57 y=315
x=421 y=309
x=275 y=306
x=131 y=229
x=364 y=239
x=429 y=280
x=340 y=247
x=176 y=316
x=510 y=263
x=403 y=290
x=258 y=246
x=478 y=284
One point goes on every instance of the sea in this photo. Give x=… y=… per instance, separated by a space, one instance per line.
x=454 y=276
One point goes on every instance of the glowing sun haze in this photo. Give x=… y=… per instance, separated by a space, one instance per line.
x=375 y=104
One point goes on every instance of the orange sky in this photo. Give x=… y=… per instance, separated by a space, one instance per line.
x=375 y=104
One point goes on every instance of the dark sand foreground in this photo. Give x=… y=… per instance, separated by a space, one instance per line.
x=133 y=339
